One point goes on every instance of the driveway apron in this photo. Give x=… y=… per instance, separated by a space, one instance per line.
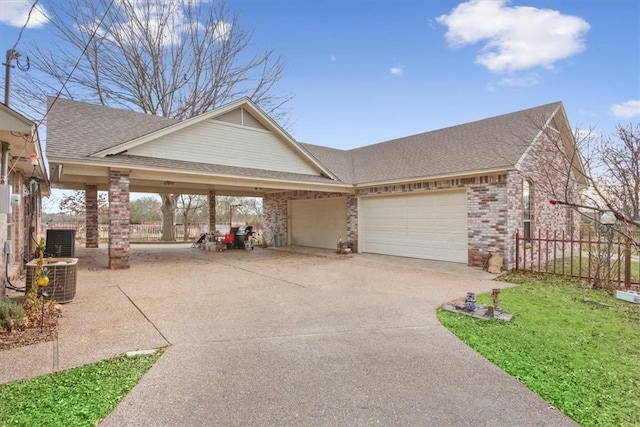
x=275 y=338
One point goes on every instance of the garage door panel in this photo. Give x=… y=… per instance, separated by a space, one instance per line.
x=318 y=222
x=430 y=226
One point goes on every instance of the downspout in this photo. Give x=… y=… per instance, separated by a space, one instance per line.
x=4 y=166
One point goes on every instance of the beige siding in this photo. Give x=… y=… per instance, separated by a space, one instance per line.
x=249 y=120
x=226 y=144
x=234 y=116
x=429 y=226
x=318 y=223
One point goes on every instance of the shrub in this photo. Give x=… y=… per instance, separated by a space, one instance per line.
x=11 y=314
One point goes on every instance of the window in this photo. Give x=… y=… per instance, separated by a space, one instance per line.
x=569 y=221
x=527 y=191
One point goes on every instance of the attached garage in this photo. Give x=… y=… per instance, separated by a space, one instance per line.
x=318 y=223
x=429 y=226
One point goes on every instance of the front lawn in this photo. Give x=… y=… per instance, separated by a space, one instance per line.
x=75 y=397
x=577 y=348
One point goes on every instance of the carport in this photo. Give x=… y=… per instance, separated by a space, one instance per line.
x=234 y=150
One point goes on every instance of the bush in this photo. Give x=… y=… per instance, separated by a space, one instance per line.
x=11 y=314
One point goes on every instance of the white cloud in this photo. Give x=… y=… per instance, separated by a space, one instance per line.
x=163 y=19
x=15 y=13
x=630 y=108
x=516 y=38
x=397 y=71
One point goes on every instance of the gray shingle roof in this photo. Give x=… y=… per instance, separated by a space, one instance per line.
x=76 y=130
x=492 y=143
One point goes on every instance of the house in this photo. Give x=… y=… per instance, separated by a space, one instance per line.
x=455 y=194
x=23 y=182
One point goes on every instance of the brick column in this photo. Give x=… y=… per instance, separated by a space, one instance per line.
x=91 y=201
x=352 y=222
x=119 y=245
x=212 y=212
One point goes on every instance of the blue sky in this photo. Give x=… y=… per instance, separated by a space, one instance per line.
x=364 y=72
x=368 y=71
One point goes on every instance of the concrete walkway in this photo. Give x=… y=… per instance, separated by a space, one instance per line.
x=273 y=337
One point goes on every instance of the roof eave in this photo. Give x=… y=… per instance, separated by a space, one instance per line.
x=455 y=175
x=105 y=163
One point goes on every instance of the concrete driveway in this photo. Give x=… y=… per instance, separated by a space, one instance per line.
x=278 y=338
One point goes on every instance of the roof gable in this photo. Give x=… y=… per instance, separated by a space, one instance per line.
x=237 y=134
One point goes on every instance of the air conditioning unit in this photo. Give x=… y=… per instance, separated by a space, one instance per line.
x=61 y=242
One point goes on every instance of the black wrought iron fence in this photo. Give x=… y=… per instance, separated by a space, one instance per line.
x=603 y=257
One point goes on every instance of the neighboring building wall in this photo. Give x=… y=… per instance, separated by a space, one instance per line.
x=275 y=215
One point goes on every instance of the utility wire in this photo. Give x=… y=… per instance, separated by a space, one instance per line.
x=33 y=7
x=84 y=50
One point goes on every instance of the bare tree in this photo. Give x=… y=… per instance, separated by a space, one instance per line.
x=76 y=204
x=239 y=209
x=188 y=205
x=145 y=209
x=171 y=58
x=603 y=169
x=168 y=209
x=618 y=169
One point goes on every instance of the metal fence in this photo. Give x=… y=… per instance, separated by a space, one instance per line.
x=603 y=257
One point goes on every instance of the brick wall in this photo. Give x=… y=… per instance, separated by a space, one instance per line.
x=487 y=224
x=275 y=215
x=119 y=244
x=552 y=177
x=212 y=211
x=494 y=203
x=91 y=206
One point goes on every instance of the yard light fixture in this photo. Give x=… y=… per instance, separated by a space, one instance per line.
x=34 y=159
x=607 y=218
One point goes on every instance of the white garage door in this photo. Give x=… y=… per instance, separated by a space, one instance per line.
x=429 y=226
x=318 y=223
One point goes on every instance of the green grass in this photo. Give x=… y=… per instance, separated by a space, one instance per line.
x=577 y=348
x=75 y=397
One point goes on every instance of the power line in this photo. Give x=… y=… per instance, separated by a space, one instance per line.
x=33 y=6
x=84 y=50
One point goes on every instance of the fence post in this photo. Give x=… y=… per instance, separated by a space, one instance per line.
x=517 y=250
x=627 y=264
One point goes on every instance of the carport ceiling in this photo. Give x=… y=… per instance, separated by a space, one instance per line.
x=76 y=177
